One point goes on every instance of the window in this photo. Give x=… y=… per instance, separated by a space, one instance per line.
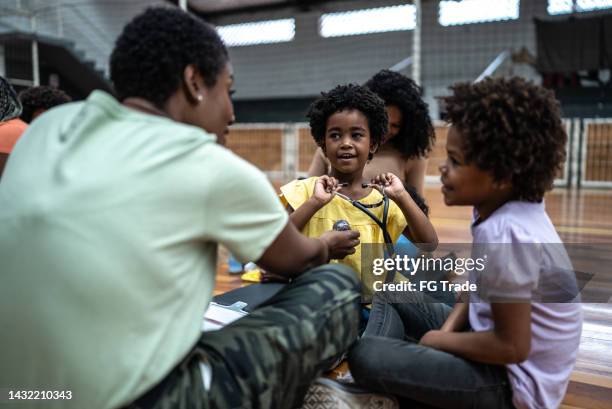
x=260 y=32
x=378 y=20
x=588 y=5
x=559 y=6
x=569 y=6
x=453 y=13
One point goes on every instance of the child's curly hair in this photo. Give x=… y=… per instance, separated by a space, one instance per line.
x=512 y=128
x=416 y=135
x=41 y=97
x=348 y=97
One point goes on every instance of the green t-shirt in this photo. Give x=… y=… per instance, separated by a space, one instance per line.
x=109 y=224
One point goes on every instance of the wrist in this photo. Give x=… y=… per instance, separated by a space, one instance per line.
x=398 y=196
x=447 y=328
x=324 y=251
x=316 y=203
x=404 y=194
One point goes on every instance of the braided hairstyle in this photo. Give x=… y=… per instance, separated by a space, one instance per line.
x=10 y=107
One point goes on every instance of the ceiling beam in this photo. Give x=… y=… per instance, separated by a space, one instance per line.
x=300 y=5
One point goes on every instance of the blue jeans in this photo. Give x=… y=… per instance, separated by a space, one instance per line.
x=389 y=359
x=404 y=247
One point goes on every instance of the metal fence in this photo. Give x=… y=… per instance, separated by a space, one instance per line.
x=595 y=153
x=284 y=151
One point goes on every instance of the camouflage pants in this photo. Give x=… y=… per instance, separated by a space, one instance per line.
x=269 y=358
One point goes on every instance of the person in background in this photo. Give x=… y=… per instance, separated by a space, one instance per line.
x=11 y=127
x=37 y=100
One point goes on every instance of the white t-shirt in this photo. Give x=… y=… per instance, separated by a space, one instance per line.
x=110 y=223
x=530 y=264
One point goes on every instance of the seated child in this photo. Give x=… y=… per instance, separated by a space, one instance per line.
x=505 y=348
x=348 y=123
x=409 y=136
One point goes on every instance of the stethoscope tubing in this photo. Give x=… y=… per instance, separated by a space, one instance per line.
x=381 y=223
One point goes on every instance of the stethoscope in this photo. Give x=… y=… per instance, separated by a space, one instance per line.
x=382 y=223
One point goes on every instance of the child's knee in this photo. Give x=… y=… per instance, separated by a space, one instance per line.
x=362 y=359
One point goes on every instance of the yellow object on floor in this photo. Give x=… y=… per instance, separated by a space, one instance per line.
x=338 y=372
x=253 y=276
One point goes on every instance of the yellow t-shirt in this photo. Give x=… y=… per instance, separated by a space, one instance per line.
x=299 y=191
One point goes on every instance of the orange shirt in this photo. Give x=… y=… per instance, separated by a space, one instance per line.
x=10 y=131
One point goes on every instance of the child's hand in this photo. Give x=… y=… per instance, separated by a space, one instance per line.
x=391 y=184
x=432 y=339
x=340 y=243
x=324 y=189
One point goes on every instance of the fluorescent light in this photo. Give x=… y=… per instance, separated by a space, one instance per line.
x=559 y=6
x=453 y=13
x=565 y=6
x=378 y=20
x=588 y=5
x=259 y=32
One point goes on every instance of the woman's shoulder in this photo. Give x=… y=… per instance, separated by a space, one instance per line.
x=383 y=162
x=415 y=162
x=392 y=154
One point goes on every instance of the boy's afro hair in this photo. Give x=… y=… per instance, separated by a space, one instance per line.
x=154 y=48
x=42 y=97
x=416 y=135
x=511 y=128
x=348 y=97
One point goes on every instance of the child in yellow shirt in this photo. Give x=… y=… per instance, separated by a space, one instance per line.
x=348 y=123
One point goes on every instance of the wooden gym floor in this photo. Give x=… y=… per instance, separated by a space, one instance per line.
x=580 y=216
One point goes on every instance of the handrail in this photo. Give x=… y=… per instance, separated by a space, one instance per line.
x=406 y=62
x=95 y=38
x=494 y=65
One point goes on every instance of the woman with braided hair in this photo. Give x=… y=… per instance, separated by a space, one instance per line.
x=11 y=127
